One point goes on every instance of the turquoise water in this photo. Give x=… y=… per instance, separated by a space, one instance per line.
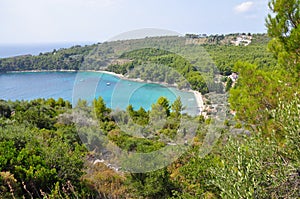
x=117 y=93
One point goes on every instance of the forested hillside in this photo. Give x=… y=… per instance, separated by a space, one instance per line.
x=197 y=64
x=49 y=149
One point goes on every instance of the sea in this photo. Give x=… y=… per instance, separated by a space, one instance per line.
x=72 y=86
x=117 y=93
x=12 y=50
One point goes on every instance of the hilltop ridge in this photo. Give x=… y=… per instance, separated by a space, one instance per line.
x=72 y=58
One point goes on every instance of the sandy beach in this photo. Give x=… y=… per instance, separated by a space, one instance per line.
x=199 y=101
x=106 y=72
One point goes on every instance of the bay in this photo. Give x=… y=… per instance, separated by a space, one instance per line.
x=117 y=93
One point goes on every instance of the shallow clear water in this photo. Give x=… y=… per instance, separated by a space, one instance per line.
x=116 y=92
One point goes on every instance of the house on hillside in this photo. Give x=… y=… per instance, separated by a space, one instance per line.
x=233 y=77
x=242 y=40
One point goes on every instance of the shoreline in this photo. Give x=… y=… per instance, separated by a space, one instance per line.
x=199 y=100
x=103 y=71
x=135 y=79
x=197 y=94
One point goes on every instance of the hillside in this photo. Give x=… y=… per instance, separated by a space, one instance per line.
x=108 y=52
x=197 y=63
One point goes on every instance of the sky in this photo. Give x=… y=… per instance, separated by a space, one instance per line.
x=54 y=21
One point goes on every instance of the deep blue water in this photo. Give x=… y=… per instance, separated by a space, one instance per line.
x=11 y=50
x=117 y=93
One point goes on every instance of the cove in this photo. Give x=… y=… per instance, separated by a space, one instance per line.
x=117 y=93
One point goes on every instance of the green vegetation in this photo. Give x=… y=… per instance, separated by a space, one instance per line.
x=48 y=149
x=40 y=157
x=63 y=59
x=160 y=59
x=284 y=29
x=44 y=154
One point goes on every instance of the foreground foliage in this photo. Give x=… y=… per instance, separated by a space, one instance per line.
x=39 y=158
x=43 y=156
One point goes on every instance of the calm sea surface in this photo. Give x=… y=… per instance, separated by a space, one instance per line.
x=117 y=93
x=11 y=50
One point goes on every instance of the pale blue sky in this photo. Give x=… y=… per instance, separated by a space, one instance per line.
x=33 y=21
